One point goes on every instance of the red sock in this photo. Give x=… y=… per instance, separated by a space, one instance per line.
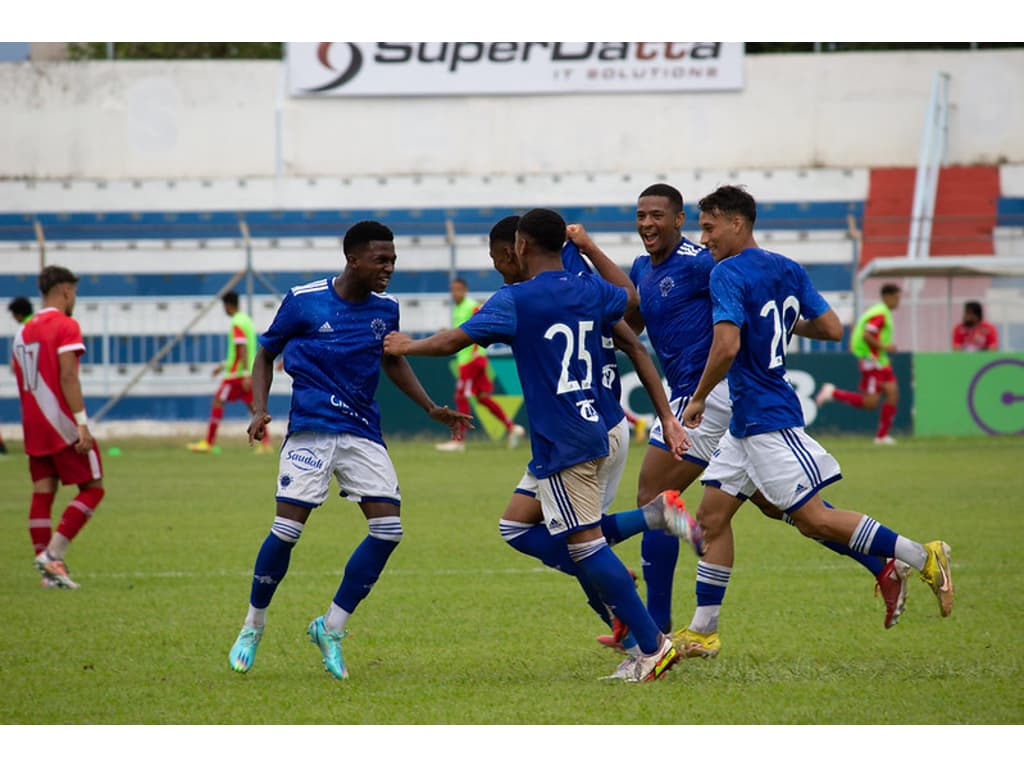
x=216 y=414
x=39 y=525
x=885 y=419
x=493 y=407
x=856 y=399
x=78 y=512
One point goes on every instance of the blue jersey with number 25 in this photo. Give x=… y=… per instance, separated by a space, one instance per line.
x=553 y=323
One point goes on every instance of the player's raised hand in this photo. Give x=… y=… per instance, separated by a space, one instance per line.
x=579 y=236
x=257 y=426
x=397 y=343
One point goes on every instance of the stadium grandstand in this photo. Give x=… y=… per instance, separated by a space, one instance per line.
x=155 y=248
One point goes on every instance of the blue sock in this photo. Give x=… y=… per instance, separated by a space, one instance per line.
x=271 y=567
x=550 y=550
x=362 y=571
x=609 y=576
x=659 y=552
x=873 y=563
x=623 y=525
x=873 y=538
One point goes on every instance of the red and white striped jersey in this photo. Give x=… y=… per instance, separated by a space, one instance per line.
x=46 y=418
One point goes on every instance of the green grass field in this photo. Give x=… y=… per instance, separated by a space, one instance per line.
x=461 y=629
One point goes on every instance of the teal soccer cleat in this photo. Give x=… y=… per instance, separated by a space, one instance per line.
x=243 y=652
x=329 y=644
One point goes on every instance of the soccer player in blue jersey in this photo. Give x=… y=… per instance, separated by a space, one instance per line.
x=759 y=299
x=553 y=323
x=522 y=523
x=331 y=334
x=672 y=280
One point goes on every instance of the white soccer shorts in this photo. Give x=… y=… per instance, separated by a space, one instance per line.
x=704 y=439
x=362 y=468
x=788 y=467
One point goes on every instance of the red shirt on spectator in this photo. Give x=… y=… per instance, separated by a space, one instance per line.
x=972 y=338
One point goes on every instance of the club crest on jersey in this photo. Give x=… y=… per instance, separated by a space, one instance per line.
x=666 y=285
x=608 y=375
x=587 y=410
x=379 y=327
x=304 y=460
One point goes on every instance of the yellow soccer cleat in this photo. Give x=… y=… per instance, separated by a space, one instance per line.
x=938 y=575
x=201 y=447
x=694 y=645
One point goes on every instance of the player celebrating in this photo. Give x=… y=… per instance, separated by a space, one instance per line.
x=473 y=379
x=675 y=308
x=522 y=523
x=553 y=323
x=759 y=299
x=871 y=343
x=58 y=442
x=237 y=369
x=331 y=333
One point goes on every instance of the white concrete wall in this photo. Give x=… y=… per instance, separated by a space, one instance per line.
x=203 y=120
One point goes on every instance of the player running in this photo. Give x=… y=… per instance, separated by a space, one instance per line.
x=759 y=300
x=553 y=323
x=59 y=444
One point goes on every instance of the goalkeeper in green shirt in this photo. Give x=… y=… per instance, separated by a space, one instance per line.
x=237 y=369
x=473 y=379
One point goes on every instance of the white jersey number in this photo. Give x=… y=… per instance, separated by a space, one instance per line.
x=28 y=361
x=566 y=384
x=780 y=337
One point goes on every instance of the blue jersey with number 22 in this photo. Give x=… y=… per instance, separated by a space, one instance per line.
x=764 y=294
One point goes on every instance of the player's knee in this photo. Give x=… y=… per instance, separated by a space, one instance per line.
x=386 y=528
x=91 y=495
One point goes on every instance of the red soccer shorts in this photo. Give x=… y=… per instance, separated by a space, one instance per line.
x=231 y=390
x=872 y=379
x=473 y=379
x=69 y=466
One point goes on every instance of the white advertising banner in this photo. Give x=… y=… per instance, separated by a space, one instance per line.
x=433 y=69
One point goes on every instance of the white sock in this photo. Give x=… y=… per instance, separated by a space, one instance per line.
x=256 y=618
x=910 y=552
x=705 y=619
x=336 y=618
x=58 y=546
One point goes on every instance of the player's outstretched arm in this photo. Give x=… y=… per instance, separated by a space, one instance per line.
x=441 y=344
x=725 y=345
x=403 y=377
x=262 y=376
x=628 y=342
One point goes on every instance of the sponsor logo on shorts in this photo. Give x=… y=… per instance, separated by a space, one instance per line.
x=285 y=481
x=325 y=328
x=304 y=459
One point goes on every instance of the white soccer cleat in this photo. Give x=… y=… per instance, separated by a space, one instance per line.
x=825 y=393
x=452 y=445
x=515 y=434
